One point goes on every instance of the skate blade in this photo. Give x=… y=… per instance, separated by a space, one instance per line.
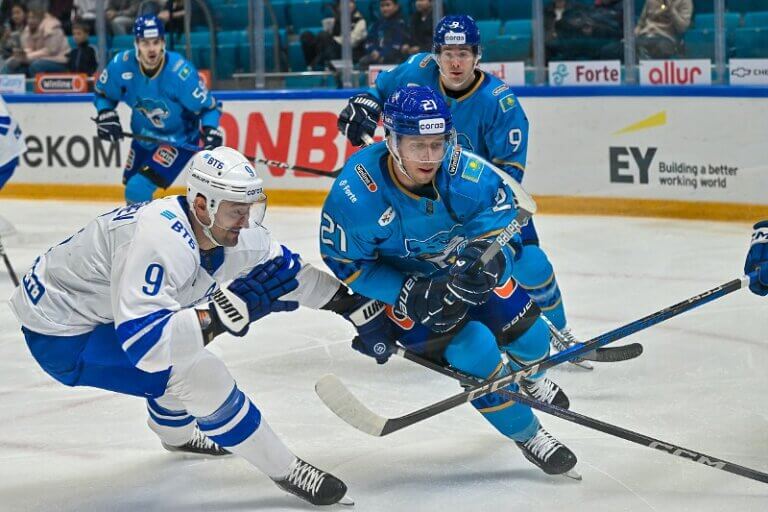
x=582 y=363
x=572 y=474
x=347 y=501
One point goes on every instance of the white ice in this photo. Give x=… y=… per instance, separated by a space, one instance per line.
x=701 y=384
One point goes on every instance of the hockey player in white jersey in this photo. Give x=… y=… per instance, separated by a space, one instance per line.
x=757 y=259
x=12 y=144
x=129 y=303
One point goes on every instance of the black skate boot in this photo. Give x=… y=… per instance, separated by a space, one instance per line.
x=200 y=445
x=544 y=390
x=314 y=485
x=549 y=454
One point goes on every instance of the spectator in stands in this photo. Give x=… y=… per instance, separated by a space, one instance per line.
x=120 y=15
x=320 y=49
x=387 y=36
x=577 y=31
x=661 y=26
x=17 y=20
x=85 y=13
x=420 y=28
x=82 y=58
x=44 y=47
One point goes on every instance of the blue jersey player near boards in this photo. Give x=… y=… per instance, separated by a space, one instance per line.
x=168 y=101
x=400 y=223
x=489 y=121
x=757 y=259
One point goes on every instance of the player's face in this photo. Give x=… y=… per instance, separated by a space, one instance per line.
x=457 y=66
x=231 y=217
x=151 y=52
x=421 y=156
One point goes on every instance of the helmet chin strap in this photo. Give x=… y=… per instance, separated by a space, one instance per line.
x=207 y=227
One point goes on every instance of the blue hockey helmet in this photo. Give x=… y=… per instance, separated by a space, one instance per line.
x=417 y=110
x=456 y=30
x=148 y=26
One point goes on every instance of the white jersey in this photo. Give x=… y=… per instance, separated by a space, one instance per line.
x=137 y=266
x=11 y=141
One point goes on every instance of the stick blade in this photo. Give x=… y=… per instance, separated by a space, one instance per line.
x=346 y=406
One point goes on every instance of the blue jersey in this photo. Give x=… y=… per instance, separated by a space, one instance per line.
x=374 y=232
x=172 y=105
x=489 y=120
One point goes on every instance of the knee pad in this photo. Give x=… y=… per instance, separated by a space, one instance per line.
x=474 y=350
x=531 y=346
x=138 y=189
x=202 y=385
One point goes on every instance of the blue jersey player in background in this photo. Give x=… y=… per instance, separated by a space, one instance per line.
x=401 y=223
x=757 y=259
x=489 y=121
x=168 y=101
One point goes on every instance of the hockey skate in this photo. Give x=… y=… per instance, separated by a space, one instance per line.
x=314 y=485
x=564 y=339
x=199 y=444
x=544 y=390
x=549 y=454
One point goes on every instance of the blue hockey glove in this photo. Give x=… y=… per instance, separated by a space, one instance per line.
x=757 y=259
x=375 y=337
x=359 y=117
x=108 y=126
x=423 y=300
x=249 y=298
x=212 y=137
x=475 y=287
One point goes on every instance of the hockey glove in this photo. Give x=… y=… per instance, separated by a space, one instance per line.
x=475 y=287
x=423 y=300
x=108 y=126
x=359 y=117
x=249 y=298
x=757 y=259
x=212 y=137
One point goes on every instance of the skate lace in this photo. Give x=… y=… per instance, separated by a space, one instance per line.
x=543 y=390
x=565 y=340
x=306 y=477
x=200 y=440
x=542 y=445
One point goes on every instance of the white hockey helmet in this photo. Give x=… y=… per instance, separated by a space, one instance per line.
x=222 y=175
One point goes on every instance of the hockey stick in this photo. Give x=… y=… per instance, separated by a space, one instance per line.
x=601 y=355
x=270 y=163
x=595 y=424
x=338 y=398
x=11 y=272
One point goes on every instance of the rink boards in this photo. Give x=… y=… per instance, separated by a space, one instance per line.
x=676 y=152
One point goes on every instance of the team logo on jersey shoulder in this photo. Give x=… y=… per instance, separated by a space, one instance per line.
x=507 y=102
x=165 y=155
x=455 y=158
x=387 y=217
x=366 y=178
x=500 y=89
x=473 y=170
x=425 y=61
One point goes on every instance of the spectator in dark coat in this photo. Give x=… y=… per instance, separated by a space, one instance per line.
x=82 y=58
x=420 y=28
x=386 y=37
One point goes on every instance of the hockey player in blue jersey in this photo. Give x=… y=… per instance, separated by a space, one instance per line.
x=129 y=303
x=402 y=221
x=489 y=121
x=167 y=100
x=757 y=259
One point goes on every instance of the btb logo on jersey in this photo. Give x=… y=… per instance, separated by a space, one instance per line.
x=165 y=155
